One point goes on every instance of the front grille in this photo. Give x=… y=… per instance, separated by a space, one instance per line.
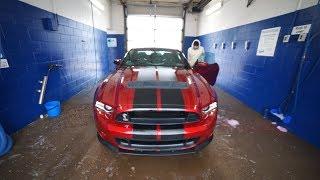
x=157 y=145
x=149 y=132
x=158 y=117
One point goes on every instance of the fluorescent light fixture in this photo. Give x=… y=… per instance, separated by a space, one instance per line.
x=97 y=4
x=214 y=8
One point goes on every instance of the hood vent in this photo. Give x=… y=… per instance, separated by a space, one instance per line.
x=157 y=85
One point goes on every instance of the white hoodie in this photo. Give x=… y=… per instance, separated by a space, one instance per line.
x=195 y=55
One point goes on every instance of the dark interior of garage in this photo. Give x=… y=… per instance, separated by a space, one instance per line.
x=76 y=99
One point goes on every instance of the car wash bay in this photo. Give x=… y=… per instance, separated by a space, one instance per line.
x=265 y=50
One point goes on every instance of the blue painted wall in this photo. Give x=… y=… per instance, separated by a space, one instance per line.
x=30 y=48
x=116 y=52
x=264 y=82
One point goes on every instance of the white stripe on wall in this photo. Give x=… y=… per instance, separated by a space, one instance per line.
x=78 y=10
x=235 y=13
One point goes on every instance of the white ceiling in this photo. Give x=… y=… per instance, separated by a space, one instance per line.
x=159 y=2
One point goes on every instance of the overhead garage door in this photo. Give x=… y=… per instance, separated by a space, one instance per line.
x=154 y=31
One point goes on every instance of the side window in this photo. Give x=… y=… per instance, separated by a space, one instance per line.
x=185 y=60
x=182 y=54
x=128 y=58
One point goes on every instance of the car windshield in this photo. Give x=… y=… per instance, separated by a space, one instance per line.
x=155 y=57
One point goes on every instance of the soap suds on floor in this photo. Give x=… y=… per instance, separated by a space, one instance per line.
x=282 y=129
x=232 y=122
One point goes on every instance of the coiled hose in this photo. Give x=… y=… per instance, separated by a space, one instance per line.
x=5 y=142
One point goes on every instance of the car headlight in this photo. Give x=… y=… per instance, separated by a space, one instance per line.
x=210 y=108
x=103 y=107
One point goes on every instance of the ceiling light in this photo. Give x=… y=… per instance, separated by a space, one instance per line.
x=97 y=4
x=214 y=8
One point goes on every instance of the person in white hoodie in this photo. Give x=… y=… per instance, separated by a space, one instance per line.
x=195 y=53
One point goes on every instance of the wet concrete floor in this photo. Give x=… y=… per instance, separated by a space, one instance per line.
x=67 y=148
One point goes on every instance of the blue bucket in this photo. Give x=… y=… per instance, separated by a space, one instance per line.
x=5 y=142
x=53 y=108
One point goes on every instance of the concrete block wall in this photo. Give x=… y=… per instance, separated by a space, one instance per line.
x=30 y=48
x=264 y=82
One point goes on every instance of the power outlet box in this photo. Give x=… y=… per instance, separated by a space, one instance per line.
x=223 y=45
x=302 y=37
x=247 y=45
x=286 y=38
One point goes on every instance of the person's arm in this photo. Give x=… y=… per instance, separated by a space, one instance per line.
x=188 y=55
x=189 y=58
x=201 y=55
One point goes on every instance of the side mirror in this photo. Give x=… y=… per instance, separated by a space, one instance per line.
x=117 y=61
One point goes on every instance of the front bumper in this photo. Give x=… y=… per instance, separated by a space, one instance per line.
x=155 y=140
x=164 y=152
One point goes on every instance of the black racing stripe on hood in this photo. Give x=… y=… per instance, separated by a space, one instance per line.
x=145 y=98
x=172 y=98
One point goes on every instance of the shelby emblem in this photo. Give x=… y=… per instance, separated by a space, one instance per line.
x=125 y=117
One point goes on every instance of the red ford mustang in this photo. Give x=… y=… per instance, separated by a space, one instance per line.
x=156 y=104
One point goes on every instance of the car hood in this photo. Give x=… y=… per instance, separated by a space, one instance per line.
x=155 y=88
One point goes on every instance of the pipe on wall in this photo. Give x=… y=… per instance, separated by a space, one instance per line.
x=183 y=27
x=94 y=43
x=125 y=17
x=43 y=89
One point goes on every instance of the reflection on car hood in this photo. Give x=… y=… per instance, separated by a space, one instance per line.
x=157 y=85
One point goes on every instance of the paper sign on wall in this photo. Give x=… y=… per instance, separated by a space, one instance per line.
x=112 y=42
x=304 y=29
x=268 y=41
